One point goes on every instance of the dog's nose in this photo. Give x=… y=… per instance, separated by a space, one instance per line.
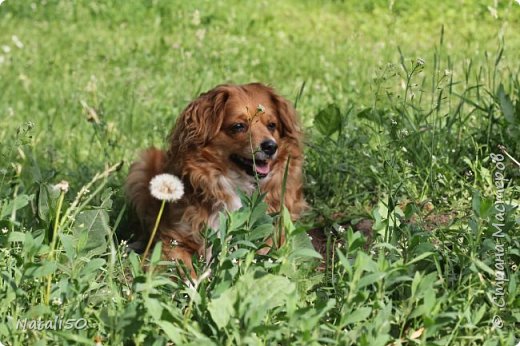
x=269 y=147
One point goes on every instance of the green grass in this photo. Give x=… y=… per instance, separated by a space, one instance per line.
x=402 y=102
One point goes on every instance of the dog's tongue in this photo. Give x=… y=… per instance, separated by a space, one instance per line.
x=264 y=169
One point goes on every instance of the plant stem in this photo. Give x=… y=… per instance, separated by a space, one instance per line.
x=54 y=244
x=152 y=236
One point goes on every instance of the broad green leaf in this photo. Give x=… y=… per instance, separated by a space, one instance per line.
x=68 y=242
x=16 y=237
x=92 y=265
x=40 y=270
x=154 y=308
x=358 y=315
x=17 y=203
x=261 y=232
x=328 y=120
x=258 y=211
x=173 y=332
x=93 y=224
x=221 y=309
x=420 y=257
x=43 y=203
x=483 y=266
x=156 y=254
x=506 y=105
x=305 y=252
x=370 y=279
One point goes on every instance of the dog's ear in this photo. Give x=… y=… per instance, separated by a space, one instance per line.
x=202 y=119
x=287 y=116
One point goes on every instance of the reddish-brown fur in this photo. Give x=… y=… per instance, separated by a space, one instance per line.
x=200 y=149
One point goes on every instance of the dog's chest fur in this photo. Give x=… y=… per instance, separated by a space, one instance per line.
x=230 y=183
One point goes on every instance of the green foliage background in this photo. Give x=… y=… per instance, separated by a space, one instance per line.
x=402 y=103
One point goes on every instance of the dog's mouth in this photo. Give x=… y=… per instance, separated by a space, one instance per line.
x=257 y=167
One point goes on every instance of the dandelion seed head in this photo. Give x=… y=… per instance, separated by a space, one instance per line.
x=62 y=186
x=166 y=187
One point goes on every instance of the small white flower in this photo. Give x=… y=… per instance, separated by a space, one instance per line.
x=166 y=187
x=420 y=61
x=17 y=41
x=62 y=186
x=195 y=20
x=404 y=149
x=173 y=242
x=254 y=260
x=260 y=108
x=341 y=229
x=269 y=260
x=394 y=122
x=310 y=238
x=6 y=49
x=56 y=301
x=5 y=230
x=124 y=243
x=200 y=34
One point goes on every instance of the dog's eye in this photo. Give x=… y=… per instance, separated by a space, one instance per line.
x=271 y=127
x=238 y=127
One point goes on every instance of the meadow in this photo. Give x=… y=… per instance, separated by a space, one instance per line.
x=411 y=112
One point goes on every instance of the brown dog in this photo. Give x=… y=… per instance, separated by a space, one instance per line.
x=211 y=149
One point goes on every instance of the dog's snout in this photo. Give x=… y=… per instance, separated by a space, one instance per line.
x=269 y=147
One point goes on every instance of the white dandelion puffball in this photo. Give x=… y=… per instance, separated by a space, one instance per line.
x=62 y=186
x=166 y=187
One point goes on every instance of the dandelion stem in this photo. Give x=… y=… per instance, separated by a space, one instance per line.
x=504 y=151
x=154 y=231
x=54 y=244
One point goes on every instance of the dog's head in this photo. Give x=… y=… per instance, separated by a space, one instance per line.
x=244 y=126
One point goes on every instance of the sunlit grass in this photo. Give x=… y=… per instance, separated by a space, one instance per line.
x=402 y=104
